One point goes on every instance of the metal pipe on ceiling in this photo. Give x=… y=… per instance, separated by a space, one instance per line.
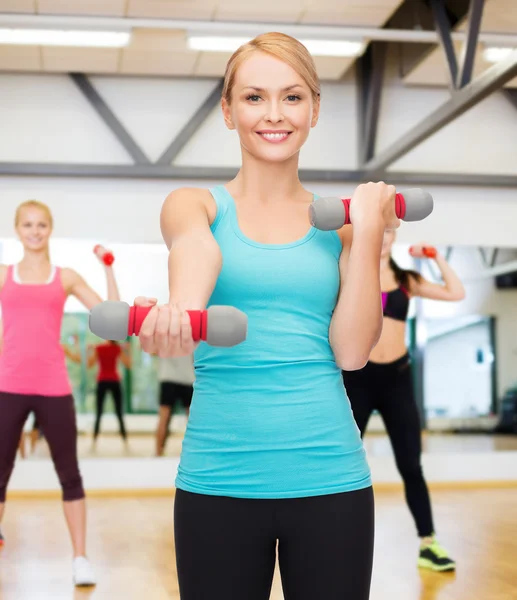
x=245 y=29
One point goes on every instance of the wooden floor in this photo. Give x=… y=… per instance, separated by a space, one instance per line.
x=377 y=444
x=131 y=544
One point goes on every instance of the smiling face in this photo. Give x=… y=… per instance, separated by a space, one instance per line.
x=34 y=227
x=272 y=108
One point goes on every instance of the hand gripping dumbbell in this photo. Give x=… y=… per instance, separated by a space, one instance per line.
x=107 y=257
x=332 y=213
x=427 y=251
x=217 y=326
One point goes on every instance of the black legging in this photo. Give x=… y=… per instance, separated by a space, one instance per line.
x=388 y=388
x=226 y=547
x=57 y=419
x=102 y=388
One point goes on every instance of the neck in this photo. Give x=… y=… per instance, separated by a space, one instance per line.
x=35 y=259
x=267 y=182
x=385 y=262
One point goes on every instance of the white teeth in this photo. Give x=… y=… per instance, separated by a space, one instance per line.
x=274 y=136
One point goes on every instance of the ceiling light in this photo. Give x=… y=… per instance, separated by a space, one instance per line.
x=333 y=48
x=494 y=54
x=51 y=37
x=315 y=47
x=215 y=43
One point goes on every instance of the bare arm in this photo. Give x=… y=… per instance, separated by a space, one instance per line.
x=194 y=265
x=78 y=287
x=91 y=358
x=125 y=357
x=73 y=353
x=356 y=324
x=195 y=259
x=112 y=287
x=69 y=353
x=451 y=290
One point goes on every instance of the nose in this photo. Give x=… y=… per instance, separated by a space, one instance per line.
x=274 y=112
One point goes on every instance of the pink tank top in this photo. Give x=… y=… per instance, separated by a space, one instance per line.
x=32 y=360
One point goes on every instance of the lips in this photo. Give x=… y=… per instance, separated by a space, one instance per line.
x=274 y=136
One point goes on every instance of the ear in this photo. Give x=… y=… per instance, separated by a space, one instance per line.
x=227 y=114
x=315 y=112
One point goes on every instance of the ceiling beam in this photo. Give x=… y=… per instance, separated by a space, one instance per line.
x=153 y=171
x=511 y=95
x=468 y=52
x=462 y=100
x=369 y=75
x=194 y=124
x=109 y=118
x=444 y=29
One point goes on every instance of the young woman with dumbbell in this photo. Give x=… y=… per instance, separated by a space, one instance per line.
x=385 y=384
x=272 y=459
x=33 y=375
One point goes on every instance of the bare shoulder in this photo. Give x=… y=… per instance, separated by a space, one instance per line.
x=3 y=275
x=69 y=278
x=186 y=210
x=190 y=199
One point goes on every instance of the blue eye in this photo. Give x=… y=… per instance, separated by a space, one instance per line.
x=253 y=97
x=293 y=97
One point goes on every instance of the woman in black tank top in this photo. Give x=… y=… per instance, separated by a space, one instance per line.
x=385 y=384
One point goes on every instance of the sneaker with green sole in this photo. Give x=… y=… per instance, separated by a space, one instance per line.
x=436 y=558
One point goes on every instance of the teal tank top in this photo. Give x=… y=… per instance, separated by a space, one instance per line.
x=270 y=417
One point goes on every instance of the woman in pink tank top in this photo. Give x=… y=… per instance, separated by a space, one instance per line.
x=33 y=375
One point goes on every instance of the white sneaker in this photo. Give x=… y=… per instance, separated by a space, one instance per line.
x=83 y=572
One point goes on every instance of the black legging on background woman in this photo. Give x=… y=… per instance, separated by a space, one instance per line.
x=388 y=388
x=107 y=356
x=385 y=384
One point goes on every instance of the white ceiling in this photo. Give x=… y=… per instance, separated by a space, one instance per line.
x=164 y=52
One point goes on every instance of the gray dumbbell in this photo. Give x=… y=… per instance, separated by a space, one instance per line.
x=217 y=326
x=329 y=214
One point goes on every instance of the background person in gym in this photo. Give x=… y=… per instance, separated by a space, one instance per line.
x=385 y=384
x=176 y=377
x=35 y=434
x=259 y=464
x=33 y=375
x=107 y=356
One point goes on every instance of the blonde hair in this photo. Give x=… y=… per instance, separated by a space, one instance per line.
x=279 y=45
x=33 y=204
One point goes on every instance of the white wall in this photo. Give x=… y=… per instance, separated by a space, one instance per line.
x=479 y=141
x=44 y=118
x=128 y=210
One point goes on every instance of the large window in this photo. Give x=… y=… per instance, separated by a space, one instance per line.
x=459 y=367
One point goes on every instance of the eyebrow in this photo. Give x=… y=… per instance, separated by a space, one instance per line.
x=259 y=89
